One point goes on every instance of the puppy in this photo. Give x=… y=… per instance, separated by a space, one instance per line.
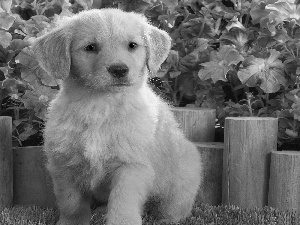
x=108 y=136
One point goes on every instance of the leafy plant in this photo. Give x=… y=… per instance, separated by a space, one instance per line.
x=238 y=56
x=25 y=88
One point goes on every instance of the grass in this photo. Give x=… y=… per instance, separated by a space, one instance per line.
x=201 y=214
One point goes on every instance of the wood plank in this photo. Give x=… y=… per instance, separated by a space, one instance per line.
x=284 y=188
x=246 y=160
x=6 y=162
x=32 y=182
x=198 y=124
x=212 y=160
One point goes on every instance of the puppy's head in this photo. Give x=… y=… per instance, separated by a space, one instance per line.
x=105 y=50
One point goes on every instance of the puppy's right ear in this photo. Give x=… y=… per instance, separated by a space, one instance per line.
x=52 y=51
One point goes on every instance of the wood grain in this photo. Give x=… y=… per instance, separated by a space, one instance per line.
x=6 y=162
x=212 y=159
x=198 y=124
x=32 y=182
x=246 y=160
x=284 y=188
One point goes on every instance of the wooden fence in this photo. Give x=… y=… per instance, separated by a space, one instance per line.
x=245 y=170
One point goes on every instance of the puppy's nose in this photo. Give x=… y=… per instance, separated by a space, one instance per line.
x=118 y=70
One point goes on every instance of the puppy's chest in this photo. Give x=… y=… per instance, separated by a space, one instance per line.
x=104 y=132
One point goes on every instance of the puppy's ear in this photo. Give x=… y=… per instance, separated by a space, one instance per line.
x=52 y=51
x=158 y=47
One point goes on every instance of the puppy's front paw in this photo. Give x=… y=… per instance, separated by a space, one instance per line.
x=63 y=221
x=100 y=210
x=124 y=220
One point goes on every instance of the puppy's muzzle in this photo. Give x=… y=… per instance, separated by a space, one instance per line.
x=118 y=70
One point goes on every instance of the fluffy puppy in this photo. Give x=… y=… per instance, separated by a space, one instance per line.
x=108 y=136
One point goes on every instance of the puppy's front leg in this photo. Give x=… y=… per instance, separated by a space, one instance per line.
x=130 y=188
x=74 y=206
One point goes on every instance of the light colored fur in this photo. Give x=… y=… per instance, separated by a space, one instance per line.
x=117 y=143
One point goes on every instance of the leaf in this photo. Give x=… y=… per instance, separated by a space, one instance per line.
x=214 y=71
x=174 y=74
x=230 y=55
x=258 y=12
x=236 y=109
x=171 y=4
x=17 y=122
x=209 y=103
x=4 y=71
x=298 y=71
x=197 y=54
x=28 y=131
x=36 y=26
x=296 y=110
x=171 y=61
x=169 y=19
x=6 y=20
x=219 y=63
x=163 y=70
x=235 y=36
x=4 y=54
x=235 y=23
x=190 y=29
x=267 y=73
x=10 y=84
x=5 y=38
x=6 y=5
x=226 y=12
x=187 y=86
x=291 y=133
x=86 y=4
x=40 y=19
x=65 y=8
x=38 y=99
x=18 y=44
x=285 y=11
x=202 y=44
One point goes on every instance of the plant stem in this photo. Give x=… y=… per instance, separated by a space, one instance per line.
x=16 y=113
x=246 y=90
x=201 y=29
x=174 y=96
x=247 y=20
x=183 y=47
x=180 y=98
x=291 y=52
x=234 y=92
x=267 y=100
x=294 y=125
x=260 y=97
x=175 y=91
x=249 y=106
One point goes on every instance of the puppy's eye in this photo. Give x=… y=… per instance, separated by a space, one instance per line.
x=132 y=45
x=91 y=48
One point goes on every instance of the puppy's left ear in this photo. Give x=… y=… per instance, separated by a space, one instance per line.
x=158 y=47
x=52 y=51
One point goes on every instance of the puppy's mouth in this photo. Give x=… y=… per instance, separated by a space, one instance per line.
x=122 y=85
